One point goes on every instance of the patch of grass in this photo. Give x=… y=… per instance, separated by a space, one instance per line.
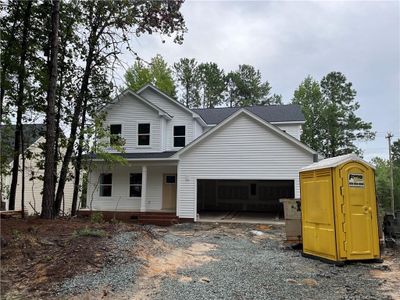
x=16 y=234
x=96 y=217
x=90 y=232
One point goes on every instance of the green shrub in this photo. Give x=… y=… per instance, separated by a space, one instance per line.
x=16 y=234
x=90 y=232
x=96 y=217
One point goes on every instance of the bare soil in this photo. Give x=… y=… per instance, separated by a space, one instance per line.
x=39 y=254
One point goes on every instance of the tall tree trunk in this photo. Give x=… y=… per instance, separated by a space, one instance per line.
x=58 y=115
x=187 y=96
x=5 y=63
x=78 y=164
x=20 y=105
x=93 y=39
x=23 y=176
x=72 y=136
x=49 y=170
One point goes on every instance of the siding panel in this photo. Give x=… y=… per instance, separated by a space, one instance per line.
x=292 y=129
x=120 y=200
x=242 y=149
x=180 y=117
x=130 y=111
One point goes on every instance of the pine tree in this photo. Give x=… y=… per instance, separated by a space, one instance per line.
x=188 y=77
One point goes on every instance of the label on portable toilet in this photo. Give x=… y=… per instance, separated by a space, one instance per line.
x=356 y=180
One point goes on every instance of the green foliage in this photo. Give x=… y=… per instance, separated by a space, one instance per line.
x=331 y=126
x=16 y=234
x=396 y=152
x=162 y=75
x=396 y=172
x=92 y=232
x=204 y=85
x=383 y=183
x=212 y=84
x=157 y=73
x=246 y=88
x=138 y=75
x=96 y=217
x=188 y=76
x=309 y=97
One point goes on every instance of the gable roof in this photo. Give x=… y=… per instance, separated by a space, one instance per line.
x=31 y=132
x=334 y=162
x=270 y=113
x=174 y=101
x=129 y=91
x=236 y=114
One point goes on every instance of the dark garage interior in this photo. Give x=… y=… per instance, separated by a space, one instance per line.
x=243 y=196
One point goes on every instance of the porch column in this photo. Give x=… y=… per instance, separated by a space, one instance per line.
x=144 y=189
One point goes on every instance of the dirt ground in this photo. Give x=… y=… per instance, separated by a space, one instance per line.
x=37 y=255
x=51 y=260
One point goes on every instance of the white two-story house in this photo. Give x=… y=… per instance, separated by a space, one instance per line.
x=185 y=162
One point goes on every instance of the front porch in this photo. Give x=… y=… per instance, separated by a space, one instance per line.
x=144 y=191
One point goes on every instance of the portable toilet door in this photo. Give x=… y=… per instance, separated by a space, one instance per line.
x=339 y=209
x=358 y=237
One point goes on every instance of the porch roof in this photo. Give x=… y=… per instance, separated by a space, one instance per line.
x=139 y=155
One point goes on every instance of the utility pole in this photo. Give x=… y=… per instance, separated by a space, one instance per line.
x=389 y=137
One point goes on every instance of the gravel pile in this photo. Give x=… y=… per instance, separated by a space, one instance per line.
x=263 y=269
x=118 y=273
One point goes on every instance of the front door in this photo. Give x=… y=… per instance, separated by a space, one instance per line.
x=361 y=236
x=169 y=191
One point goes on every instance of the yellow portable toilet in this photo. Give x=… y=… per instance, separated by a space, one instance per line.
x=339 y=209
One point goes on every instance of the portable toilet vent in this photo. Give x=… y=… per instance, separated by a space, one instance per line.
x=339 y=211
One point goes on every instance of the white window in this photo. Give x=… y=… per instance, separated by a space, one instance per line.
x=179 y=136
x=105 y=185
x=115 y=134
x=143 y=134
x=135 y=185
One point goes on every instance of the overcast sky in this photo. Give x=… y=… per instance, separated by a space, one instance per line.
x=287 y=41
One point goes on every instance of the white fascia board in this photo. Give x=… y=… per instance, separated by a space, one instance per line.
x=128 y=91
x=176 y=102
x=289 y=123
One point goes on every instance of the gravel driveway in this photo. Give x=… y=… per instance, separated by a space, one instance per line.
x=227 y=261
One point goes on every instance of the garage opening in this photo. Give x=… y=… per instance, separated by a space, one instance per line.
x=236 y=199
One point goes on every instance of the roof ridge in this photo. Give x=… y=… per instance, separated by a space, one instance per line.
x=239 y=107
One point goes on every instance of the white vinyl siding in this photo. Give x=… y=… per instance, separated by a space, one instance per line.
x=180 y=117
x=242 y=149
x=292 y=129
x=120 y=200
x=129 y=112
x=198 y=129
x=34 y=188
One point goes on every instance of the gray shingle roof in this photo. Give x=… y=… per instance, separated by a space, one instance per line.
x=270 y=113
x=141 y=155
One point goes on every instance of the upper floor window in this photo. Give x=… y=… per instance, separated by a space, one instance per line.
x=115 y=134
x=135 y=185
x=144 y=134
x=105 y=185
x=179 y=136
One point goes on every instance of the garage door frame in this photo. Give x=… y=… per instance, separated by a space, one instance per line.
x=196 y=179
